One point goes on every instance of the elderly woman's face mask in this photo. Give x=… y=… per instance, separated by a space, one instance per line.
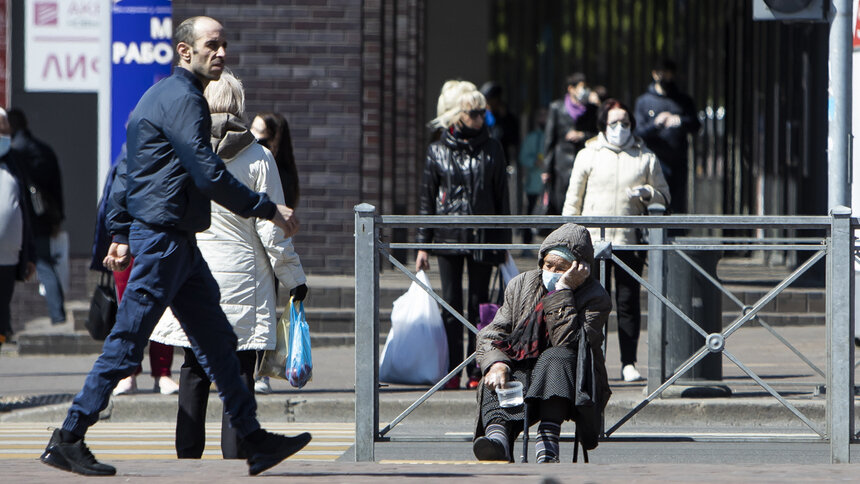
x=553 y=267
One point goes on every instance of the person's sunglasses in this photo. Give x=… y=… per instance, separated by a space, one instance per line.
x=624 y=124
x=476 y=113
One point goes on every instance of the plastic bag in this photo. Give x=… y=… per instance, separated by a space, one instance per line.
x=299 y=364
x=274 y=362
x=416 y=350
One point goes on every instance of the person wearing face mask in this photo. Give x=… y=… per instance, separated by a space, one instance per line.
x=17 y=250
x=464 y=174
x=664 y=118
x=534 y=339
x=571 y=121
x=615 y=174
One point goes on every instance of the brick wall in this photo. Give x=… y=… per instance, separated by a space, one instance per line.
x=319 y=62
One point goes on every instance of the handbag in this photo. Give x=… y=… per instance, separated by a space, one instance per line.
x=587 y=395
x=487 y=311
x=274 y=362
x=488 y=256
x=103 y=305
x=299 y=363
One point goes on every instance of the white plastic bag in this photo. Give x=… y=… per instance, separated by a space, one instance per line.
x=416 y=350
x=509 y=269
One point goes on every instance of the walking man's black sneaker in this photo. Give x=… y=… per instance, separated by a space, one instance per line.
x=74 y=457
x=272 y=449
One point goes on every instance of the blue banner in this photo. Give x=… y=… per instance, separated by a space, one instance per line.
x=141 y=55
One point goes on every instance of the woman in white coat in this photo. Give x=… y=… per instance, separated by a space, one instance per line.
x=245 y=255
x=615 y=174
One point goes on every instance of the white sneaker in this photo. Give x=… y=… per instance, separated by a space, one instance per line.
x=630 y=373
x=261 y=385
x=165 y=386
x=126 y=386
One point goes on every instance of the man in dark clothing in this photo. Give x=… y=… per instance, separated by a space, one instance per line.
x=664 y=118
x=17 y=253
x=158 y=203
x=41 y=171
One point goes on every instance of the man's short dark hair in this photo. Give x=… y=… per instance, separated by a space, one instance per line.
x=185 y=32
x=575 y=78
x=17 y=120
x=666 y=65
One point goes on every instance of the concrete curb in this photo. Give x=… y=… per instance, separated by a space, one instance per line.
x=455 y=407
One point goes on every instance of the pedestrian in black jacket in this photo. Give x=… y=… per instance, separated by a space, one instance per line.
x=571 y=122
x=464 y=174
x=41 y=171
x=17 y=251
x=664 y=117
x=158 y=203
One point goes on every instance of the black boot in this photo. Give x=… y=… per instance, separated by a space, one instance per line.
x=268 y=450
x=74 y=457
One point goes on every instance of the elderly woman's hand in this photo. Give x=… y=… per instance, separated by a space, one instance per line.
x=574 y=277
x=497 y=376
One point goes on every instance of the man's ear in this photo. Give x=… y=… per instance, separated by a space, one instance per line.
x=184 y=51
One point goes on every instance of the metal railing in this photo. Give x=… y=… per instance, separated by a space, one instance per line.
x=837 y=246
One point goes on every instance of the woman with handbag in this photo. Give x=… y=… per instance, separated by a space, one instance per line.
x=464 y=174
x=536 y=339
x=244 y=255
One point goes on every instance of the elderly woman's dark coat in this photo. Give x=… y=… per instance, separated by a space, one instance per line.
x=563 y=311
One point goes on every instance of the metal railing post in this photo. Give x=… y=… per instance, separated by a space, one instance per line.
x=840 y=340
x=366 y=332
x=656 y=345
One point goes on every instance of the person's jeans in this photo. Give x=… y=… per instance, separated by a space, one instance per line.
x=451 y=273
x=168 y=270
x=193 y=401
x=160 y=355
x=46 y=268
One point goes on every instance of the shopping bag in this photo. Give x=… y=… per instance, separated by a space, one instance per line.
x=299 y=364
x=487 y=311
x=274 y=362
x=416 y=350
x=103 y=305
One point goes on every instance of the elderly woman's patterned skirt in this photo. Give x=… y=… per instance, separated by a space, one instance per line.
x=553 y=374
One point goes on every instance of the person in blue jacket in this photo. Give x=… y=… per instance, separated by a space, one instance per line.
x=664 y=117
x=158 y=203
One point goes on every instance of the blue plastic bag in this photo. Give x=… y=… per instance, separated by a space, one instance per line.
x=299 y=364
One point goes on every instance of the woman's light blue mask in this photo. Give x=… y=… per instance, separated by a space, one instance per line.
x=550 y=279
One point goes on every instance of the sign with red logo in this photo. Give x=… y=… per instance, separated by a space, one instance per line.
x=63 y=45
x=856 y=27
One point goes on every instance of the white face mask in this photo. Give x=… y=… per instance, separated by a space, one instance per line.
x=550 y=279
x=5 y=144
x=617 y=135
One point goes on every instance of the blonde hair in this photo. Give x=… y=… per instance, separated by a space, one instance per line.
x=226 y=95
x=456 y=97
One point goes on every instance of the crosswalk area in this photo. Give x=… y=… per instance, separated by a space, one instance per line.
x=150 y=441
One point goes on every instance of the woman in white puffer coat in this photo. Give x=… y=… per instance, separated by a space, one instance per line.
x=245 y=255
x=615 y=174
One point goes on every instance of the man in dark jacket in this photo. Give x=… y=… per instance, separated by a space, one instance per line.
x=664 y=117
x=41 y=170
x=158 y=203
x=17 y=253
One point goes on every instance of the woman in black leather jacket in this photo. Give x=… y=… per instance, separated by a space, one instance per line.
x=464 y=174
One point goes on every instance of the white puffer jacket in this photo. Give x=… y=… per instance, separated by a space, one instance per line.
x=244 y=254
x=601 y=175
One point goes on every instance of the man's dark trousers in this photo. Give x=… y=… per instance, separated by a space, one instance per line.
x=168 y=270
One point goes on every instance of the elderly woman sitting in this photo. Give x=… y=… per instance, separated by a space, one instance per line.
x=534 y=339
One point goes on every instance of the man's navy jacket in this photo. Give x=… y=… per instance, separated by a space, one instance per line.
x=172 y=172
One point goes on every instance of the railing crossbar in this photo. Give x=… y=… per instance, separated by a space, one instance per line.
x=773 y=392
x=647 y=285
x=430 y=291
x=740 y=304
